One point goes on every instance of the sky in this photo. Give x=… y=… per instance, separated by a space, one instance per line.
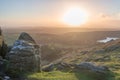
x=49 y=12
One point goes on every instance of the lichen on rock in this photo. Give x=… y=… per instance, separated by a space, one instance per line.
x=24 y=54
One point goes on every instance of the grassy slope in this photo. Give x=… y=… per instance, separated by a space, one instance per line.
x=112 y=63
x=57 y=75
x=110 y=59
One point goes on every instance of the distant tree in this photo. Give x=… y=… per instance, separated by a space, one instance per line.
x=3 y=45
x=4 y=49
x=0 y=31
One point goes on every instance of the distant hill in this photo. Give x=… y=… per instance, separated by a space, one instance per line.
x=80 y=39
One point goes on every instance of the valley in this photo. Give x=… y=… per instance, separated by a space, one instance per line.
x=74 y=48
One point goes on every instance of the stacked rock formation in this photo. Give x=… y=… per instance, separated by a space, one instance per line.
x=24 y=54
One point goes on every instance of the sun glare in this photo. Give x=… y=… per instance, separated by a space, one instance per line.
x=75 y=16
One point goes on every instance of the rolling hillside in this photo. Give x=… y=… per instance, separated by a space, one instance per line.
x=74 y=48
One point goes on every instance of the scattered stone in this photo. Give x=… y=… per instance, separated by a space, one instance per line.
x=85 y=66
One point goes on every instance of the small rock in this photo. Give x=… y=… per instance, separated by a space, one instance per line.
x=64 y=66
x=49 y=68
x=6 y=78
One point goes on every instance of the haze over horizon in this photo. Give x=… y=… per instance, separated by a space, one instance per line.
x=102 y=13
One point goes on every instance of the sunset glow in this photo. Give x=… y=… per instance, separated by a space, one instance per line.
x=60 y=13
x=75 y=16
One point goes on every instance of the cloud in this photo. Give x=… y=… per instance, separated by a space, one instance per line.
x=100 y=17
x=103 y=20
x=115 y=16
x=103 y=16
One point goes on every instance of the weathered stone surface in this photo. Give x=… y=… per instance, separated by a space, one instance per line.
x=48 y=68
x=58 y=66
x=64 y=66
x=85 y=66
x=112 y=48
x=91 y=67
x=26 y=37
x=24 y=54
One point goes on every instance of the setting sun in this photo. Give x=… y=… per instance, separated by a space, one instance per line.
x=75 y=16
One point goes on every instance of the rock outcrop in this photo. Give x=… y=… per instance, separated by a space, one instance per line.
x=26 y=37
x=91 y=67
x=48 y=68
x=24 y=54
x=85 y=66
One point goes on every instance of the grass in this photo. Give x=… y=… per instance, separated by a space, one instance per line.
x=111 y=60
x=113 y=65
x=117 y=74
x=58 y=75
